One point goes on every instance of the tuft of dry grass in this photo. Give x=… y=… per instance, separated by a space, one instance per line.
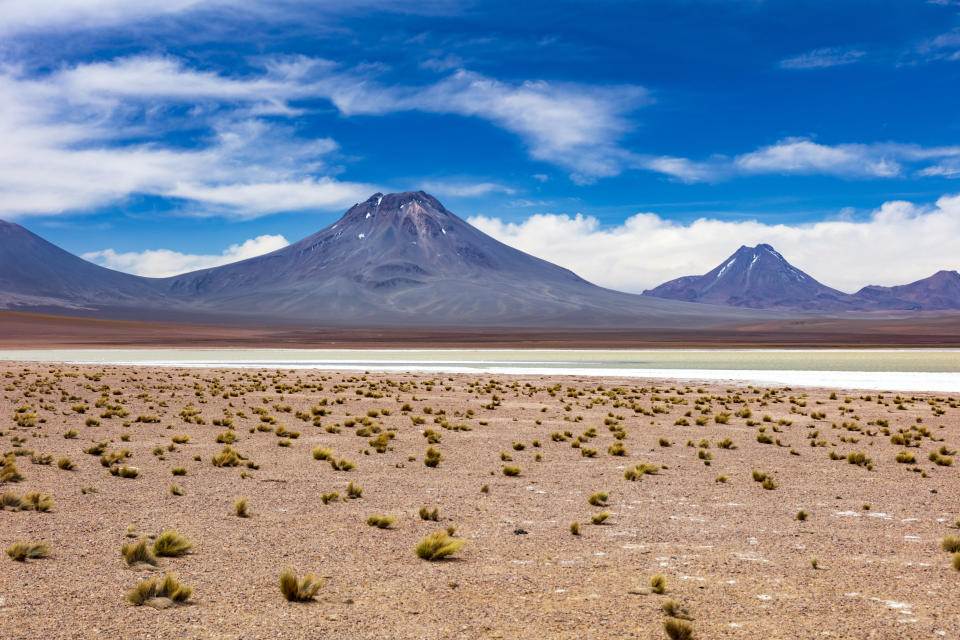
x=438 y=546
x=600 y=517
x=322 y=454
x=169 y=587
x=229 y=457
x=342 y=465
x=10 y=500
x=38 y=501
x=20 y=551
x=125 y=472
x=9 y=471
x=658 y=584
x=950 y=544
x=617 y=449
x=677 y=629
x=432 y=457
x=171 y=544
x=599 y=499
x=381 y=522
x=642 y=469
x=138 y=552
x=511 y=471
x=354 y=492
x=575 y=528
x=427 y=514
x=240 y=508
x=299 y=589
x=675 y=609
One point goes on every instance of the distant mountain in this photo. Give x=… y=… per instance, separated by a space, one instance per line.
x=939 y=292
x=757 y=278
x=36 y=274
x=395 y=260
x=760 y=278
x=403 y=258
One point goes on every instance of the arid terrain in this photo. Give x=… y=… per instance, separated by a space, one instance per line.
x=20 y=330
x=704 y=486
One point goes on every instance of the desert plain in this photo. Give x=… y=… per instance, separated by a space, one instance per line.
x=769 y=512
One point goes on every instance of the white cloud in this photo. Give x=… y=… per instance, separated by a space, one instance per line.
x=574 y=126
x=64 y=145
x=17 y=16
x=899 y=243
x=686 y=170
x=803 y=156
x=949 y=168
x=251 y=200
x=462 y=189
x=822 y=58
x=160 y=263
x=65 y=134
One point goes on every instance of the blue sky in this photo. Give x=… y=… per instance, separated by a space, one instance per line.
x=161 y=136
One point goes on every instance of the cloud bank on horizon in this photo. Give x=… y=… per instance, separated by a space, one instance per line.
x=899 y=243
x=185 y=126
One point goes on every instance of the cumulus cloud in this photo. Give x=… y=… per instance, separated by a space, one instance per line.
x=160 y=263
x=898 y=243
x=822 y=58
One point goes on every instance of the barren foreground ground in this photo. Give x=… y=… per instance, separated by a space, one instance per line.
x=733 y=553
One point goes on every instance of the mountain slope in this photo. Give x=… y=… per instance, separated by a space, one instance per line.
x=405 y=259
x=757 y=278
x=37 y=274
x=939 y=292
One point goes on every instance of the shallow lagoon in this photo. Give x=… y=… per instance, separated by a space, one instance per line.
x=877 y=369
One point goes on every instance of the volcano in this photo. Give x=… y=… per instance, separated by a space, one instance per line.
x=403 y=258
x=757 y=278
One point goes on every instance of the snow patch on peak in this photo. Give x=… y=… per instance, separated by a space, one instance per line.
x=725 y=267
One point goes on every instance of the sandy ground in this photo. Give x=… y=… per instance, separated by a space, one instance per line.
x=34 y=330
x=734 y=554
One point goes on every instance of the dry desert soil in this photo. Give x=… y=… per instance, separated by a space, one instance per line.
x=685 y=498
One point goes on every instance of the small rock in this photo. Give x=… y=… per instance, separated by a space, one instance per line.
x=519 y=532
